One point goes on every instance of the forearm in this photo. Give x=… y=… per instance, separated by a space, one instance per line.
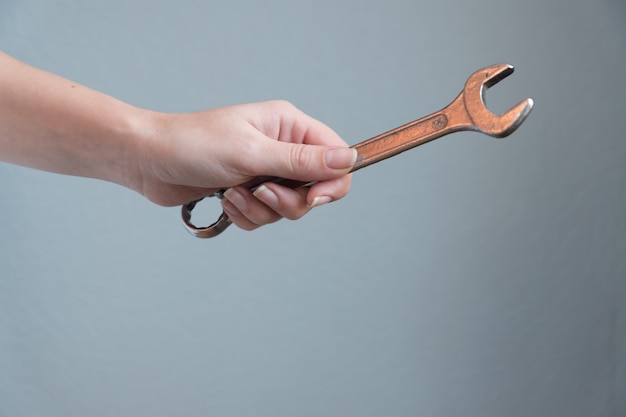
x=52 y=124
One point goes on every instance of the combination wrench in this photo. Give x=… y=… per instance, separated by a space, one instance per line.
x=467 y=112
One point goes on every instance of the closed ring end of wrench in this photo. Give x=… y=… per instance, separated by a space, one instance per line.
x=203 y=232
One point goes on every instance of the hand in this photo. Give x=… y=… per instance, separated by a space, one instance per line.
x=53 y=124
x=188 y=156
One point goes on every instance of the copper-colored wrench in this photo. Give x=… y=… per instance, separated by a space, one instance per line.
x=466 y=112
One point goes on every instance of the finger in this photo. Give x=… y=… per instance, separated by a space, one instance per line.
x=237 y=217
x=302 y=162
x=249 y=207
x=284 y=122
x=326 y=191
x=287 y=202
x=303 y=128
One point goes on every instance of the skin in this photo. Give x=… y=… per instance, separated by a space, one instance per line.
x=53 y=124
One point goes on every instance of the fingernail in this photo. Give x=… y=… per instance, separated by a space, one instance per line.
x=340 y=158
x=267 y=196
x=320 y=200
x=236 y=198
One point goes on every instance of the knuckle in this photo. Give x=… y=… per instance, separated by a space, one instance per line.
x=280 y=105
x=248 y=227
x=265 y=218
x=244 y=223
x=301 y=159
x=296 y=214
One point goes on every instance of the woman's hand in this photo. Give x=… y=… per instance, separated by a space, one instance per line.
x=189 y=156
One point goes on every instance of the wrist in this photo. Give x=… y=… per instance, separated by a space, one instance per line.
x=129 y=148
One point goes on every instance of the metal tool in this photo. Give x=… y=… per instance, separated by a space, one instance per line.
x=466 y=112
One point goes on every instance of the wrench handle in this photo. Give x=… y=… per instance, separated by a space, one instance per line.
x=401 y=139
x=381 y=147
x=385 y=145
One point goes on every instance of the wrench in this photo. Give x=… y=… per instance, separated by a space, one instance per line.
x=466 y=112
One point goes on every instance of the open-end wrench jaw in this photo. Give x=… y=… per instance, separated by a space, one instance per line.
x=474 y=99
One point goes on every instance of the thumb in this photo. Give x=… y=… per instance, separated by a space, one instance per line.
x=307 y=162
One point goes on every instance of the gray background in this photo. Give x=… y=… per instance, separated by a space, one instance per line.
x=469 y=277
